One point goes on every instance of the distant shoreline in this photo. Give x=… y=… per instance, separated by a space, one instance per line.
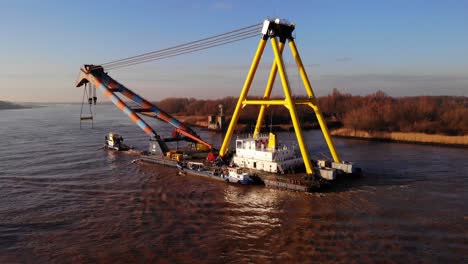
x=4 y=105
x=400 y=137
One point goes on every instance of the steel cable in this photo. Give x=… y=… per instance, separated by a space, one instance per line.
x=189 y=47
x=184 y=48
x=203 y=47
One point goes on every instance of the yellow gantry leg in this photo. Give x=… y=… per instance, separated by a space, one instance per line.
x=291 y=106
x=266 y=95
x=314 y=105
x=243 y=95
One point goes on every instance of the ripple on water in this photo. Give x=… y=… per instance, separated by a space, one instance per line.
x=61 y=197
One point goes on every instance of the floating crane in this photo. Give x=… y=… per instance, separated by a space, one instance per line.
x=259 y=153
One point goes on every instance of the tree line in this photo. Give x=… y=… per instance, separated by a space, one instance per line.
x=374 y=112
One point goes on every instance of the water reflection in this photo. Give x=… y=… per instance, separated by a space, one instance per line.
x=259 y=207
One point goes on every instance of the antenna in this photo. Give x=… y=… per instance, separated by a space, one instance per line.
x=221 y=109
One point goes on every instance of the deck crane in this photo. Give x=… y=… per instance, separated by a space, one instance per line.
x=95 y=75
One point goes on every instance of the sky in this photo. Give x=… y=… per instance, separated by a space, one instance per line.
x=404 y=48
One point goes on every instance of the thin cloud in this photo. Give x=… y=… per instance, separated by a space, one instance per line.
x=396 y=84
x=344 y=59
x=223 y=5
x=313 y=65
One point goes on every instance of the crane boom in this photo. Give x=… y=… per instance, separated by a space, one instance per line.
x=96 y=76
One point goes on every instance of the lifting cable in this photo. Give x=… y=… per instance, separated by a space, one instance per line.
x=85 y=95
x=183 y=51
x=189 y=47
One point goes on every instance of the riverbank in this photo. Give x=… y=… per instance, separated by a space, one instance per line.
x=417 y=138
x=202 y=122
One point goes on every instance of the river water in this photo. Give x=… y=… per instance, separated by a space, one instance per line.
x=64 y=199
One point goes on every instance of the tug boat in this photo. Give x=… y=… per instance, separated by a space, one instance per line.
x=115 y=141
x=237 y=175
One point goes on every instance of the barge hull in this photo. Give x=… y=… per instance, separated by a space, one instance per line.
x=161 y=160
x=285 y=185
x=201 y=174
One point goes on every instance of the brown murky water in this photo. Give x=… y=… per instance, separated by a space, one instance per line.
x=62 y=199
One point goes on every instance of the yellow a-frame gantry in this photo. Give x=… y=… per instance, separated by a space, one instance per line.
x=274 y=30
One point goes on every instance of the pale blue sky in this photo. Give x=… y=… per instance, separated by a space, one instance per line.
x=401 y=47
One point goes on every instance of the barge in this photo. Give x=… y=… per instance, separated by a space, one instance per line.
x=258 y=160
